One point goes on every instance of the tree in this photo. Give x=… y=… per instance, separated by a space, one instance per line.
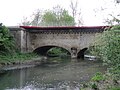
x=114 y=19
x=55 y=17
x=76 y=13
x=6 y=41
x=35 y=19
x=117 y=1
x=107 y=46
x=74 y=8
x=25 y=22
x=48 y=19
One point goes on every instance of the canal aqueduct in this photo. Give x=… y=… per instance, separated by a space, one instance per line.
x=41 y=39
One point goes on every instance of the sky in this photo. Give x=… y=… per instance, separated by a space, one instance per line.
x=12 y=12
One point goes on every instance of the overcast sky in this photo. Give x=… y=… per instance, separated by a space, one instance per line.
x=13 y=11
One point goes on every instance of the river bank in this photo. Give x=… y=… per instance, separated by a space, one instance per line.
x=18 y=64
x=102 y=82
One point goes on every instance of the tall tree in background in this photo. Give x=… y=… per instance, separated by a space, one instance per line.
x=55 y=17
x=74 y=7
x=109 y=12
x=113 y=17
x=35 y=19
x=25 y=22
x=117 y=1
x=76 y=13
x=114 y=21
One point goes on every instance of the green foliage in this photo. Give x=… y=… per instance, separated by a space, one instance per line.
x=107 y=47
x=115 y=88
x=16 y=57
x=115 y=72
x=94 y=86
x=57 y=51
x=8 y=52
x=55 y=17
x=6 y=41
x=48 y=19
x=98 y=77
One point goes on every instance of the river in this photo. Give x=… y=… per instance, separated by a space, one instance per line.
x=65 y=75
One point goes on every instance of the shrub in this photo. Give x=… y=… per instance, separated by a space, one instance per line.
x=115 y=88
x=94 y=86
x=98 y=77
x=107 y=47
x=6 y=41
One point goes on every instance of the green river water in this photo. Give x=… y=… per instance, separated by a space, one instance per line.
x=66 y=75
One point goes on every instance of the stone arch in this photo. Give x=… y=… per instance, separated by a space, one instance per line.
x=42 y=50
x=80 y=54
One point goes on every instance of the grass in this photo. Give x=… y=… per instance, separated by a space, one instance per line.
x=98 y=77
x=8 y=59
x=115 y=88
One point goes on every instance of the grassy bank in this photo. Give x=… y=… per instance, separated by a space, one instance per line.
x=9 y=54
x=16 y=57
x=102 y=82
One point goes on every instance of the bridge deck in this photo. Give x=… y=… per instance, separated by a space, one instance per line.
x=65 y=29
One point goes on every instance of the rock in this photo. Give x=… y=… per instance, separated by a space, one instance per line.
x=0 y=65
x=89 y=57
x=2 y=72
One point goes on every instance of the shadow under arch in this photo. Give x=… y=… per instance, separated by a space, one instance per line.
x=81 y=53
x=44 y=49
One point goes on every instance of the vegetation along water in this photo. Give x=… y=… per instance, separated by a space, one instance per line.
x=63 y=74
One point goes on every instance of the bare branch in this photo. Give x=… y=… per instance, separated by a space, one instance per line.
x=74 y=8
x=76 y=13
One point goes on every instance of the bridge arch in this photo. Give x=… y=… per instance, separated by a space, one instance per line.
x=81 y=53
x=42 y=50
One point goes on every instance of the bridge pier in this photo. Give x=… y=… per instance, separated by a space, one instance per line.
x=73 y=52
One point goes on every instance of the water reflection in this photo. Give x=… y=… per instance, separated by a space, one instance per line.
x=64 y=75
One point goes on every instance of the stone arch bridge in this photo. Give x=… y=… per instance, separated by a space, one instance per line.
x=40 y=39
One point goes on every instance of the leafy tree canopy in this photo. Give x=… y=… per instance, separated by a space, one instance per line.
x=55 y=17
